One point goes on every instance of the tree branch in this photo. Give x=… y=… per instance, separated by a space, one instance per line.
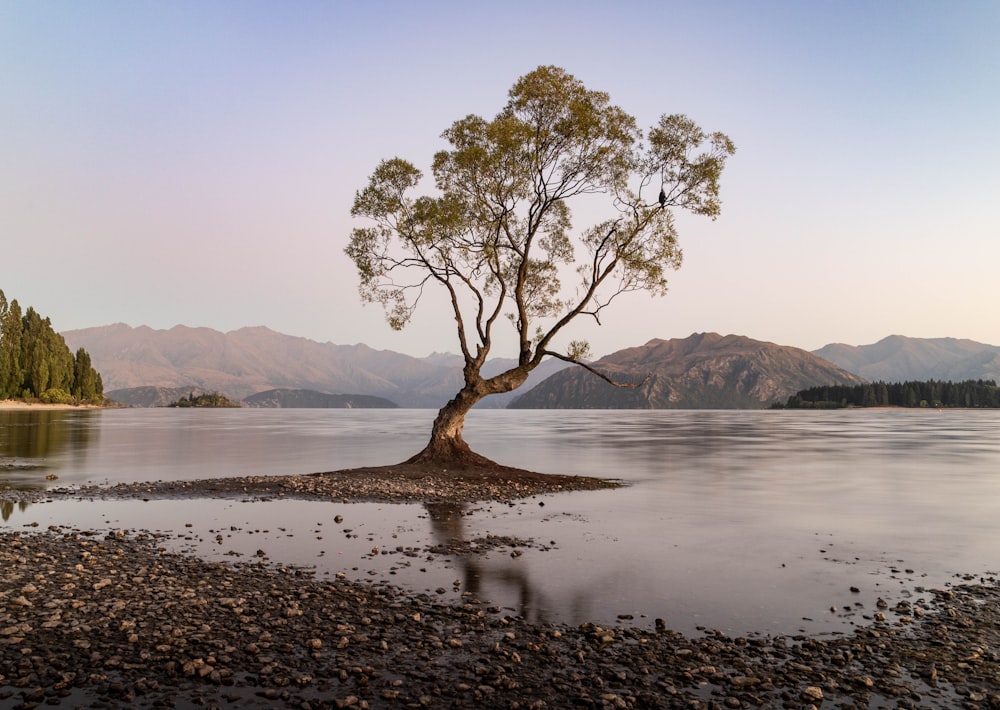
x=589 y=368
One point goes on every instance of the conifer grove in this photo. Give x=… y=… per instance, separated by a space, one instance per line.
x=36 y=364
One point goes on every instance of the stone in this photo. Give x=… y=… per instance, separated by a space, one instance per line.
x=812 y=693
x=175 y=630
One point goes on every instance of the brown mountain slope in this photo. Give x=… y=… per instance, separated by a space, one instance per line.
x=307 y=399
x=703 y=371
x=898 y=358
x=250 y=360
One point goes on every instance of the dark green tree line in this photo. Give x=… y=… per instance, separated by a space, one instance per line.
x=930 y=393
x=35 y=362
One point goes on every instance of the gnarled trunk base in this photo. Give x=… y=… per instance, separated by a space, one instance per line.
x=446 y=447
x=451 y=454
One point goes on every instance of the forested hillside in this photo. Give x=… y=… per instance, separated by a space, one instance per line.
x=35 y=362
x=931 y=393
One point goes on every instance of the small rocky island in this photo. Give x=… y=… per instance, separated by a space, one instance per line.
x=205 y=400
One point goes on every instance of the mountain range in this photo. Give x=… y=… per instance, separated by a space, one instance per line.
x=142 y=366
x=703 y=371
x=900 y=359
x=248 y=361
x=149 y=396
x=309 y=399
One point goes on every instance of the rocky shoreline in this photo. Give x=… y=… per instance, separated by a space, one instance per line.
x=113 y=619
x=403 y=483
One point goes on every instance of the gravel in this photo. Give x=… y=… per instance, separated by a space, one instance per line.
x=113 y=619
x=405 y=483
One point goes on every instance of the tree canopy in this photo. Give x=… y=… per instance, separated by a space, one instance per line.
x=35 y=362
x=497 y=233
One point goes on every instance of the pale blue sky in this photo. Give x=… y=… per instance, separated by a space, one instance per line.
x=195 y=163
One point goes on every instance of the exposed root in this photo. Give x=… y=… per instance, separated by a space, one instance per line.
x=452 y=456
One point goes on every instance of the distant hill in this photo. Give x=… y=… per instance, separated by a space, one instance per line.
x=703 y=371
x=152 y=396
x=901 y=359
x=308 y=399
x=244 y=362
x=277 y=398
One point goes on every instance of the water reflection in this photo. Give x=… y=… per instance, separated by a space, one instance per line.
x=38 y=433
x=7 y=508
x=484 y=577
x=734 y=520
x=36 y=443
x=188 y=444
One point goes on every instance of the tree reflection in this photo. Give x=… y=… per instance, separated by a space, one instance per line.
x=32 y=442
x=480 y=574
x=7 y=508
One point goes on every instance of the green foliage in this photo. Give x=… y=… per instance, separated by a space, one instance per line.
x=206 y=399
x=35 y=362
x=498 y=234
x=932 y=393
x=87 y=384
x=56 y=396
x=11 y=330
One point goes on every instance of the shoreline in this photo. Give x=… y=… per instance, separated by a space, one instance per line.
x=402 y=483
x=20 y=404
x=115 y=619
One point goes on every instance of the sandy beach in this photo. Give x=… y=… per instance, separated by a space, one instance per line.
x=18 y=404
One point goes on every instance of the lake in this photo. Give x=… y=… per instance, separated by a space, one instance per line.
x=743 y=521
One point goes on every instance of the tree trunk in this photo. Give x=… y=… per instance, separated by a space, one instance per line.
x=447 y=447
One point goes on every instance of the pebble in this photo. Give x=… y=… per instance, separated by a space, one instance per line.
x=114 y=620
x=185 y=632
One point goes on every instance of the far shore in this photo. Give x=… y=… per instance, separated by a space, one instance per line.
x=19 y=404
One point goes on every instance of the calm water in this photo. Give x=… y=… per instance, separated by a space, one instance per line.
x=755 y=521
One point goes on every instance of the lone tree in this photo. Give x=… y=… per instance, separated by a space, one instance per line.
x=497 y=233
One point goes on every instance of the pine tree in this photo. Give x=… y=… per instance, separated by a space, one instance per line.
x=35 y=361
x=86 y=381
x=11 y=327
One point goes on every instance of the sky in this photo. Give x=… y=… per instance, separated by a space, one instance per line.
x=194 y=163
